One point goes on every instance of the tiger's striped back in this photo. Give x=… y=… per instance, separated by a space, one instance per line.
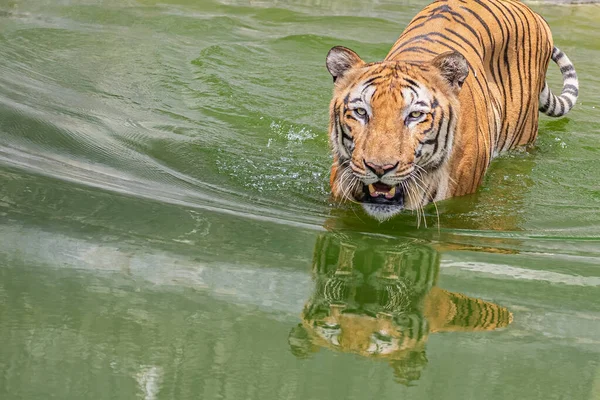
x=508 y=47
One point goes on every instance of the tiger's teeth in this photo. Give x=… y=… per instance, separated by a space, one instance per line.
x=391 y=193
x=371 y=189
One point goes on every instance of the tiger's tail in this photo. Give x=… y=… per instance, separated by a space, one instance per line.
x=557 y=106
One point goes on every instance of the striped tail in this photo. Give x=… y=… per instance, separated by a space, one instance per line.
x=557 y=106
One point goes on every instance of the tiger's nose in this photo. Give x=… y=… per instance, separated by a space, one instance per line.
x=380 y=170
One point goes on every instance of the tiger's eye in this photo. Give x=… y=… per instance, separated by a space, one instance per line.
x=415 y=114
x=360 y=111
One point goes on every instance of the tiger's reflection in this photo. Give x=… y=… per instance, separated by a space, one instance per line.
x=379 y=299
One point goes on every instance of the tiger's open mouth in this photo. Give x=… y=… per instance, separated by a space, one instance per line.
x=382 y=201
x=380 y=193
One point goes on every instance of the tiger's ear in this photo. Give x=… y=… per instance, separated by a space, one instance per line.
x=340 y=60
x=453 y=67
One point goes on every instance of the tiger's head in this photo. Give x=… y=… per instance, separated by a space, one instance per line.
x=392 y=125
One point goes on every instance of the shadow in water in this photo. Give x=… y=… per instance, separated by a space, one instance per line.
x=378 y=298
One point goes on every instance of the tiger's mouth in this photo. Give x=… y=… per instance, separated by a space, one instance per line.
x=380 y=193
x=382 y=201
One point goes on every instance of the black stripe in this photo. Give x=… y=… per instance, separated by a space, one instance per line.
x=412 y=89
x=457 y=16
x=466 y=318
x=493 y=72
x=425 y=198
x=557 y=55
x=509 y=30
x=484 y=311
x=568 y=101
x=416 y=49
x=440 y=9
x=450 y=40
x=523 y=111
x=567 y=68
x=466 y=41
x=450 y=123
x=476 y=321
x=436 y=145
x=552 y=104
x=436 y=16
x=369 y=81
x=483 y=24
x=570 y=89
x=433 y=194
x=570 y=75
x=418 y=18
x=411 y=82
x=413 y=39
x=410 y=29
x=339 y=131
x=476 y=177
x=425 y=132
x=545 y=106
x=493 y=65
x=495 y=311
x=506 y=12
x=362 y=92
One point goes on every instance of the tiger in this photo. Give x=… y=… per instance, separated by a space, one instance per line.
x=381 y=301
x=461 y=85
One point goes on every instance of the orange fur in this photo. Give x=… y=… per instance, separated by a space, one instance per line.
x=474 y=70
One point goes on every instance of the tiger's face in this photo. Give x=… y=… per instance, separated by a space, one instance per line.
x=376 y=336
x=391 y=129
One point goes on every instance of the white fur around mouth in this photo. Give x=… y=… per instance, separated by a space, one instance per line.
x=382 y=201
x=382 y=212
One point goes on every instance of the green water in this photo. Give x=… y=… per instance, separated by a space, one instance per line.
x=166 y=231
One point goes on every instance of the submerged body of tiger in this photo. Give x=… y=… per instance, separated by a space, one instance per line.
x=463 y=83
